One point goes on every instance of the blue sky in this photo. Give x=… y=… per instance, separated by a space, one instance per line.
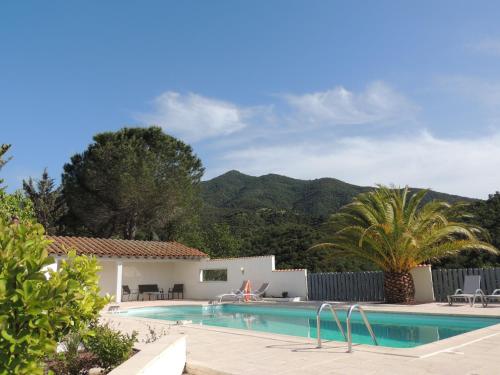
x=367 y=92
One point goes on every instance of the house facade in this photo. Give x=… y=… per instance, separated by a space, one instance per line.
x=133 y=263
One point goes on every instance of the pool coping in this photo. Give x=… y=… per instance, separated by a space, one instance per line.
x=368 y=308
x=422 y=351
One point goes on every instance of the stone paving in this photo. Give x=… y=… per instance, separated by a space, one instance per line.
x=213 y=350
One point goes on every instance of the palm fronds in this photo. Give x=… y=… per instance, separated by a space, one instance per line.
x=397 y=232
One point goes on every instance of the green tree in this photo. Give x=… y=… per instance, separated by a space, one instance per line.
x=487 y=214
x=3 y=150
x=16 y=206
x=397 y=232
x=219 y=242
x=133 y=183
x=48 y=202
x=39 y=307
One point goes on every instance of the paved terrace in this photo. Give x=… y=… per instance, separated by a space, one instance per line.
x=214 y=350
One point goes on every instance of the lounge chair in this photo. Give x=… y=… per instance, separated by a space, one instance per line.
x=495 y=296
x=234 y=294
x=242 y=287
x=177 y=289
x=129 y=293
x=151 y=290
x=257 y=295
x=113 y=309
x=471 y=290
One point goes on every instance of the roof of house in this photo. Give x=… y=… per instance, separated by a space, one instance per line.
x=106 y=247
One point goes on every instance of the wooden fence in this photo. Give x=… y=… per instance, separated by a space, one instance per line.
x=346 y=286
x=446 y=281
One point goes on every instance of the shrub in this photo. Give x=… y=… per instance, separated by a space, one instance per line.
x=15 y=205
x=110 y=347
x=36 y=312
x=153 y=335
x=72 y=361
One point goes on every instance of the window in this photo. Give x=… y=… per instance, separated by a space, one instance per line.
x=213 y=275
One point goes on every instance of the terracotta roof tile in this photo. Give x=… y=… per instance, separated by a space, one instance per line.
x=104 y=247
x=239 y=258
x=291 y=270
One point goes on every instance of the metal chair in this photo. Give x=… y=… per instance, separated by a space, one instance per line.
x=127 y=292
x=177 y=289
x=470 y=291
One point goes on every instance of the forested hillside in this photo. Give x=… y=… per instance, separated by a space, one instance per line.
x=273 y=214
x=317 y=198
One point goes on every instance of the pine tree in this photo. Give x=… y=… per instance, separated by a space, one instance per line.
x=48 y=202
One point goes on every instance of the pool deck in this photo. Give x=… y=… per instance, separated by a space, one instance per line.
x=214 y=350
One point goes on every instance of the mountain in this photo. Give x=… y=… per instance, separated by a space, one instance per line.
x=246 y=216
x=318 y=198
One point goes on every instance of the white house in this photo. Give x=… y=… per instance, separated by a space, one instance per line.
x=132 y=263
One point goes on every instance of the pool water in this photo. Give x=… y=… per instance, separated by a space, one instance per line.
x=395 y=330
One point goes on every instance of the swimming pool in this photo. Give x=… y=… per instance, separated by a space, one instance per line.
x=395 y=330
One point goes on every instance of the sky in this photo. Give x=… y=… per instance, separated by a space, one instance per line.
x=391 y=92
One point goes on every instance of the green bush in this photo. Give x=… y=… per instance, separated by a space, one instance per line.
x=36 y=312
x=110 y=347
x=72 y=360
x=16 y=205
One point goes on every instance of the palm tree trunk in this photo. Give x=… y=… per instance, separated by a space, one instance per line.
x=399 y=287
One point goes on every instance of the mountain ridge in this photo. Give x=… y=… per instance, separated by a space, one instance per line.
x=319 y=197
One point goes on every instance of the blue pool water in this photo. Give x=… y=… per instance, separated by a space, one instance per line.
x=392 y=329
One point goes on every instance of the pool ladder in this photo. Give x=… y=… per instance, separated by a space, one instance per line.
x=347 y=337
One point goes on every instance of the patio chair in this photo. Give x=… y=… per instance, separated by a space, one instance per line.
x=491 y=297
x=113 y=309
x=234 y=294
x=151 y=290
x=177 y=289
x=243 y=287
x=127 y=292
x=258 y=294
x=471 y=290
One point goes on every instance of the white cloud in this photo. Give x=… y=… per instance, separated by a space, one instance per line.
x=339 y=106
x=458 y=166
x=490 y=46
x=195 y=117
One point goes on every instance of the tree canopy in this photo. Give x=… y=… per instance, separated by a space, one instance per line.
x=3 y=150
x=133 y=183
x=48 y=202
x=396 y=232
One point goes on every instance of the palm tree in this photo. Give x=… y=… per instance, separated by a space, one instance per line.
x=397 y=232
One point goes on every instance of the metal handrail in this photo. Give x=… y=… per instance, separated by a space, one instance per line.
x=318 y=321
x=367 y=324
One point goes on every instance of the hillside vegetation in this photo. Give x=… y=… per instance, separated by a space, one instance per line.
x=245 y=215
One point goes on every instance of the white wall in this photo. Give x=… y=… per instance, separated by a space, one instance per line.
x=166 y=273
x=256 y=269
x=107 y=277
x=160 y=273
x=166 y=356
x=422 y=278
x=51 y=267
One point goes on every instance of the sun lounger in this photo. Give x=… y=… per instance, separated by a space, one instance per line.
x=234 y=294
x=470 y=291
x=257 y=295
x=495 y=296
x=242 y=288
